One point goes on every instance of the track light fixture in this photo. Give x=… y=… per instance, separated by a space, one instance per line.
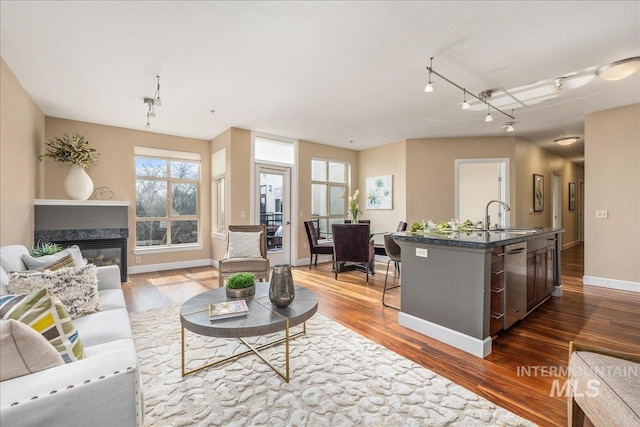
x=465 y=104
x=151 y=104
x=508 y=126
x=484 y=96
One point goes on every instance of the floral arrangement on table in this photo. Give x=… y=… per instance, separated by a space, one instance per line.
x=354 y=205
x=73 y=149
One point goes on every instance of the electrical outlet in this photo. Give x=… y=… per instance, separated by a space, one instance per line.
x=422 y=252
x=138 y=260
x=602 y=214
x=243 y=214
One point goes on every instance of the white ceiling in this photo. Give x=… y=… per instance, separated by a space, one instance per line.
x=348 y=74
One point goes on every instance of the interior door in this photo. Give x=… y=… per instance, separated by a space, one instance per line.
x=274 y=210
x=477 y=182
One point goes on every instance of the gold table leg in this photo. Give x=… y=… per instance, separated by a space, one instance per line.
x=256 y=350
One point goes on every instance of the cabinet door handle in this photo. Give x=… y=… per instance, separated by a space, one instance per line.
x=516 y=251
x=497 y=272
x=500 y=254
x=497 y=316
x=497 y=291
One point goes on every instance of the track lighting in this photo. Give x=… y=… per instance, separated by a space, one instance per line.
x=484 y=96
x=465 y=104
x=488 y=118
x=152 y=103
x=429 y=87
x=508 y=126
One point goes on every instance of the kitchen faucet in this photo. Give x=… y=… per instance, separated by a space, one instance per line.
x=486 y=212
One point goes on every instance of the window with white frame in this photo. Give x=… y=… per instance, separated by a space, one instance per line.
x=328 y=181
x=167 y=198
x=218 y=169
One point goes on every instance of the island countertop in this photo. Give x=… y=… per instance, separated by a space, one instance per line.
x=477 y=239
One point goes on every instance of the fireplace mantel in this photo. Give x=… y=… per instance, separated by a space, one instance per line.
x=62 y=202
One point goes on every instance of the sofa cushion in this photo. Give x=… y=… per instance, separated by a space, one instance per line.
x=104 y=326
x=24 y=351
x=111 y=346
x=35 y=263
x=11 y=258
x=244 y=245
x=77 y=288
x=45 y=313
x=112 y=299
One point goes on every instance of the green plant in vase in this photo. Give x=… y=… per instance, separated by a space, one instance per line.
x=42 y=249
x=241 y=285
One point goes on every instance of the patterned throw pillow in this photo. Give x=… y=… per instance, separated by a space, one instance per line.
x=244 y=245
x=43 y=312
x=76 y=287
x=24 y=351
x=35 y=263
x=65 y=261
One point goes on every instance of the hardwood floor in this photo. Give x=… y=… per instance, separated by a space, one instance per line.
x=518 y=375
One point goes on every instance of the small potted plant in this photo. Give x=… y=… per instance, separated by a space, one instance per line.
x=241 y=285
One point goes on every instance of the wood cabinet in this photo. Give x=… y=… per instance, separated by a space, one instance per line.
x=540 y=270
x=497 y=290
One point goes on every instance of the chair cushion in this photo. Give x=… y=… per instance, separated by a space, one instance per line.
x=606 y=388
x=24 y=351
x=244 y=245
x=77 y=288
x=235 y=265
x=42 y=311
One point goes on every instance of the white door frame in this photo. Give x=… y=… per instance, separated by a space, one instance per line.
x=581 y=210
x=283 y=257
x=556 y=200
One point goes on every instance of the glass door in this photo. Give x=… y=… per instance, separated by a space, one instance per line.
x=273 y=211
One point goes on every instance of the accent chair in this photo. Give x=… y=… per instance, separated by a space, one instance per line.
x=246 y=252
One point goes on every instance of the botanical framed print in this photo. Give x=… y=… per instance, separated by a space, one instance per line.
x=538 y=193
x=380 y=192
x=572 y=196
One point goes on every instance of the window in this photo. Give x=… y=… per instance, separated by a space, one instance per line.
x=328 y=182
x=167 y=189
x=218 y=169
x=220 y=210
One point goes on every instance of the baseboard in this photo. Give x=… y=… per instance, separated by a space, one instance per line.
x=571 y=244
x=622 y=285
x=169 y=266
x=305 y=261
x=474 y=346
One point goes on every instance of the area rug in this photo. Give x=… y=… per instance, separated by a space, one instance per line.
x=338 y=378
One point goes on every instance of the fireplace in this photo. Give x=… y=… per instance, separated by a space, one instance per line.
x=98 y=228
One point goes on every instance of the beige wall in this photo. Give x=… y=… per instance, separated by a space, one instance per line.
x=430 y=171
x=530 y=160
x=612 y=176
x=388 y=159
x=115 y=169
x=306 y=152
x=22 y=127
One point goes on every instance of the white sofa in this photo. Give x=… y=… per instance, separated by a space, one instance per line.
x=104 y=389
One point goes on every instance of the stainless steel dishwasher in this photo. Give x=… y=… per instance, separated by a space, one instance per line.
x=515 y=269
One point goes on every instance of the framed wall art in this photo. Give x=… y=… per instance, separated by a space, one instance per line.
x=380 y=192
x=538 y=193
x=572 y=196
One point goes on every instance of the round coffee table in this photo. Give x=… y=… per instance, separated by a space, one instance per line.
x=263 y=318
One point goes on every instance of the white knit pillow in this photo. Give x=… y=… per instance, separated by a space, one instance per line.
x=76 y=287
x=244 y=245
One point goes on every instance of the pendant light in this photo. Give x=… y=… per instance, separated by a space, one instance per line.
x=465 y=104
x=429 y=87
x=488 y=118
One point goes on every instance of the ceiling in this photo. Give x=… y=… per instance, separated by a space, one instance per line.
x=349 y=74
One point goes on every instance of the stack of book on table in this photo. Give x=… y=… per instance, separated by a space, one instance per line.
x=224 y=310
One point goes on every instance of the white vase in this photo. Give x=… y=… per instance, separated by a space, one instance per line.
x=78 y=184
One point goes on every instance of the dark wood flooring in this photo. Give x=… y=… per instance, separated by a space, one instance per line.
x=518 y=375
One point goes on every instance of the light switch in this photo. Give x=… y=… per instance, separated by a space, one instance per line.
x=243 y=214
x=602 y=214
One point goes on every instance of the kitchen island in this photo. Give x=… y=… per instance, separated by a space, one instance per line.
x=463 y=287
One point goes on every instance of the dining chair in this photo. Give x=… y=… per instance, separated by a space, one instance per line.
x=393 y=252
x=380 y=248
x=352 y=243
x=246 y=252
x=315 y=248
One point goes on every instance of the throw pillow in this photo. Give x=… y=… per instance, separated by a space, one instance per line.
x=43 y=312
x=77 y=288
x=244 y=244
x=65 y=261
x=35 y=263
x=24 y=351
